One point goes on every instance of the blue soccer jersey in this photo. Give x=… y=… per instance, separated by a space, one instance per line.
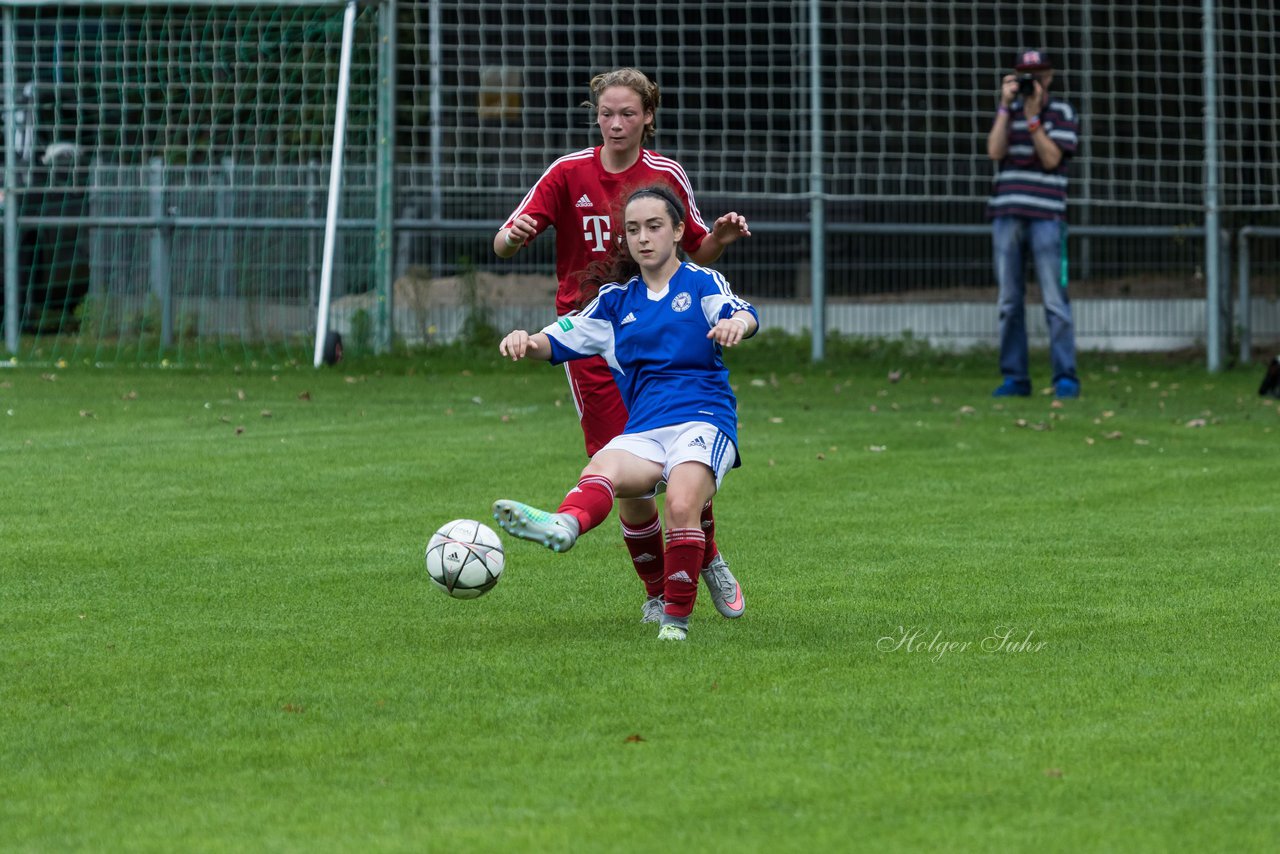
x=656 y=345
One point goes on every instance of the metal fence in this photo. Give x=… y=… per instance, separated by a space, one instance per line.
x=852 y=135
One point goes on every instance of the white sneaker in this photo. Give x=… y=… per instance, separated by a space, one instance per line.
x=674 y=633
x=556 y=531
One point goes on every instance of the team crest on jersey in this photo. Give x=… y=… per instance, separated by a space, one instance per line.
x=681 y=301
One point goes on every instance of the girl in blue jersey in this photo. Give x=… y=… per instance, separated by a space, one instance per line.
x=661 y=331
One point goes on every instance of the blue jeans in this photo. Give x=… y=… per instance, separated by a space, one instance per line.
x=1010 y=238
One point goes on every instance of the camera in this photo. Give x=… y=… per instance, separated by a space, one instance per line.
x=1026 y=85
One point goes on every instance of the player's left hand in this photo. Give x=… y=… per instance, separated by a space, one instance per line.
x=727 y=332
x=730 y=227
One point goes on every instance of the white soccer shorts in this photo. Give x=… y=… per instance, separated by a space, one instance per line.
x=692 y=441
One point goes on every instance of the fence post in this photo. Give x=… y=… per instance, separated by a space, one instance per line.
x=225 y=202
x=11 y=320
x=1212 y=238
x=314 y=177
x=817 y=209
x=1242 y=291
x=385 y=178
x=161 y=254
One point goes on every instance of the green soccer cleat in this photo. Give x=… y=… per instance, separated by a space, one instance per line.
x=556 y=531
x=725 y=591
x=651 y=610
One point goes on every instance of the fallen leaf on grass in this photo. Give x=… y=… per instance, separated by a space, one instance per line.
x=1196 y=422
x=775 y=420
x=895 y=376
x=132 y=395
x=292 y=709
x=877 y=449
x=87 y=413
x=634 y=738
x=306 y=395
x=49 y=377
x=967 y=410
x=1114 y=434
x=239 y=430
x=1053 y=772
x=266 y=413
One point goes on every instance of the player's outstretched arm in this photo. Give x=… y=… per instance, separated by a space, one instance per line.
x=726 y=230
x=521 y=345
x=729 y=331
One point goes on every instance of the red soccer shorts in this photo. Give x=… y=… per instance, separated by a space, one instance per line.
x=601 y=411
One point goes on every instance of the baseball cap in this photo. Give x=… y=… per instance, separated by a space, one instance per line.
x=1032 y=60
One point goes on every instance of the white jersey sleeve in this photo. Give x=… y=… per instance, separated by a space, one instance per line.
x=718 y=299
x=590 y=332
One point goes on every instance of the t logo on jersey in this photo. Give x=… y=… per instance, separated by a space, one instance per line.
x=596 y=228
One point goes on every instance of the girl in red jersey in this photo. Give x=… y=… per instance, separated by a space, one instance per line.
x=578 y=195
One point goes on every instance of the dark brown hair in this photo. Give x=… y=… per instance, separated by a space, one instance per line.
x=618 y=265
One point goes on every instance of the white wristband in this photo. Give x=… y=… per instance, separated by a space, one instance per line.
x=510 y=242
x=746 y=327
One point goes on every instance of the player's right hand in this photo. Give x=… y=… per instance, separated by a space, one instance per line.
x=523 y=229
x=517 y=344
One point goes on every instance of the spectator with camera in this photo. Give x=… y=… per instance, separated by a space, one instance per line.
x=1033 y=139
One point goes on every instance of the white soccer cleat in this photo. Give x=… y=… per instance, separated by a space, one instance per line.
x=673 y=633
x=651 y=610
x=556 y=531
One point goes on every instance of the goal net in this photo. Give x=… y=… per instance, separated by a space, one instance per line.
x=169 y=169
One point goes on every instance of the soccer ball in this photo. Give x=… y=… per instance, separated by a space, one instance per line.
x=464 y=559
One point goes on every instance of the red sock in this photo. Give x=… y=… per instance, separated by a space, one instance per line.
x=644 y=541
x=680 y=588
x=589 y=502
x=709 y=531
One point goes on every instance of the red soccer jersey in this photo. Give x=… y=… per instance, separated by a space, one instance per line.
x=580 y=199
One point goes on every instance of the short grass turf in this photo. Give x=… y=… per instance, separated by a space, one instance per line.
x=971 y=624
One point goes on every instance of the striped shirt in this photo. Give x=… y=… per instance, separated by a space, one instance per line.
x=1023 y=187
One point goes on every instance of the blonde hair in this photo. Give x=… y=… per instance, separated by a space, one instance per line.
x=635 y=80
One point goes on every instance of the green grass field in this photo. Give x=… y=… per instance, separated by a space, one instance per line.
x=970 y=625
